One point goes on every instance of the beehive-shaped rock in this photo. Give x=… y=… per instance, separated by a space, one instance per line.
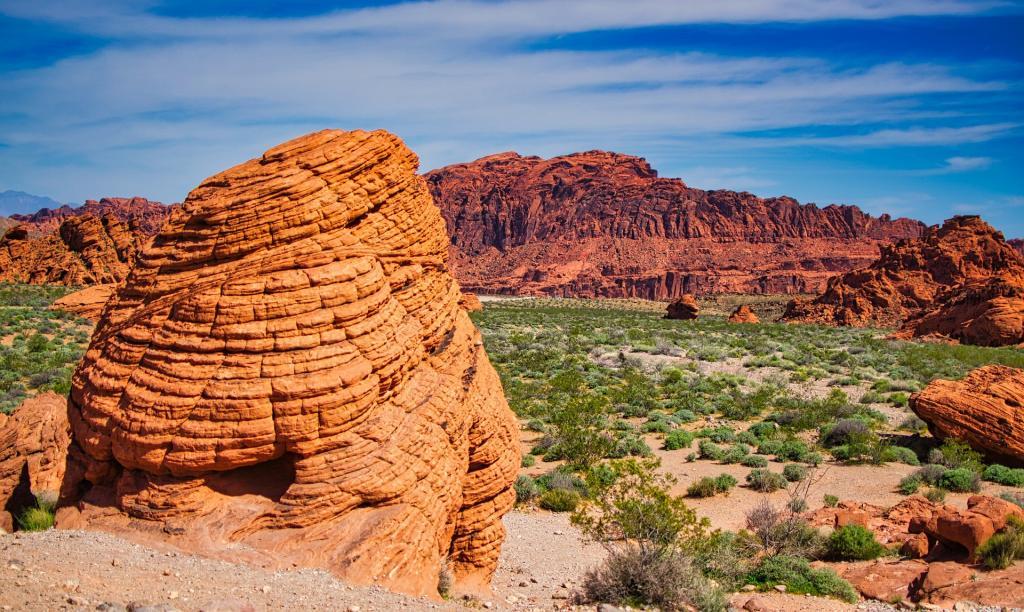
x=743 y=314
x=684 y=308
x=288 y=367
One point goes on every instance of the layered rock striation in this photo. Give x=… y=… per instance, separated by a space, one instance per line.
x=983 y=409
x=960 y=279
x=601 y=224
x=288 y=367
x=146 y=215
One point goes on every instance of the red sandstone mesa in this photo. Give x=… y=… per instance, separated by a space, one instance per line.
x=961 y=281
x=600 y=224
x=288 y=367
x=684 y=308
x=984 y=409
x=743 y=314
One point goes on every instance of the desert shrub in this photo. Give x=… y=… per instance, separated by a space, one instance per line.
x=913 y=423
x=763 y=430
x=1013 y=498
x=536 y=425
x=1003 y=548
x=872 y=397
x=931 y=473
x=528 y=461
x=724 y=482
x=792 y=450
x=445 y=579
x=765 y=481
x=842 y=432
x=747 y=438
x=561 y=478
x=754 y=461
x=961 y=480
x=578 y=425
x=900 y=454
x=736 y=454
x=899 y=399
x=800 y=578
x=853 y=543
x=656 y=426
x=559 y=500
x=958 y=454
x=771 y=531
x=910 y=484
x=705 y=487
x=39 y=517
x=769 y=447
x=797 y=505
x=526 y=489
x=794 y=472
x=725 y=559
x=830 y=501
x=630 y=446
x=678 y=439
x=684 y=416
x=935 y=495
x=710 y=450
x=631 y=577
x=1003 y=475
x=718 y=435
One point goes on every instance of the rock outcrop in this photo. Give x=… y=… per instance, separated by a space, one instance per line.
x=288 y=367
x=33 y=453
x=963 y=270
x=88 y=302
x=684 y=308
x=983 y=409
x=470 y=302
x=989 y=312
x=743 y=314
x=601 y=224
x=85 y=250
x=146 y=215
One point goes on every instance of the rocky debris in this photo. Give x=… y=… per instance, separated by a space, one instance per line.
x=287 y=368
x=961 y=280
x=470 y=302
x=684 y=308
x=33 y=453
x=146 y=215
x=85 y=250
x=743 y=314
x=885 y=580
x=983 y=409
x=601 y=224
x=88 y=302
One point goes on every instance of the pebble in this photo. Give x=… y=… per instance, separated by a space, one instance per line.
x=780 y=588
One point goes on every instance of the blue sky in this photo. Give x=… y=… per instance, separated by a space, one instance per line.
x=912 y=107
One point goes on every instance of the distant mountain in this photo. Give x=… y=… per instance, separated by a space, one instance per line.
x=13 y=202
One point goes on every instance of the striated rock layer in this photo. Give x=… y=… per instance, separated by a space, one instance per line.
x=984 y=409
x=944 y=277
x=146 y=215
x=288 y=367
x=88 y=302
x=600 y=224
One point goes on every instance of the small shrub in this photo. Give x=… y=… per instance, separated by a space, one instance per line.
x=445 y=580
x=724 y=482
x=792 y=450
x=843 y=432
x=765 y=481
x=931 y=473
x=853 y=543
x=684 y=416
x=526 y=489
x=900 y=454
x=830 y=501
x=935 y=495
x=800 y=578
x=528 y=461
x=813 y=459
x=718 y=435
x=763 y=430
x=754 y=461
x=913 y=423
x=747 y=438
x=961 y=480
x=536 y=425
x=559 y=500
x=797 y=505
x=769 y=447
x=705 y=487
x=631 y=576
x=37 y=518
x=656 y=426
x=794 y=472
x=710 y=450
x=910 y=484
x=1003 y=475
x=1013 y=498
x=1003 y=548
x=736 y=454
x=958 y=454
x=678 y=439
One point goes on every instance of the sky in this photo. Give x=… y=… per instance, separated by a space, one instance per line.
x=908 y=107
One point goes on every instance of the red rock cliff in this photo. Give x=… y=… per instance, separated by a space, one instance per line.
x=146 y=215
x=604 y=224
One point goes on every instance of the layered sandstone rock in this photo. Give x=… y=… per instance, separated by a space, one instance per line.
x=85 y=250
x=600 y=224
x=33 y=454
x=146 y=215
x=470 y=302
x=986 y=313
x=288 y=367
x=913 y=278
x=88 y=302
x=743 y=314
x=983 y=409
x=684 y=308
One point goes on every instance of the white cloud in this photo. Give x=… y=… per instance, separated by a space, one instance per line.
x=965 y=164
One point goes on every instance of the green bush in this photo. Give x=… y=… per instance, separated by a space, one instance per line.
x=526 y=489
x=792 y=450
x=1003 y=475
x=528 y=461
x=1003 y=548
x=794 y=472
x=656 y=426
x=710 y=450
x=559 y=500
x=37 y=518
x=853 y=543
x=762 y=430
x=910 y=484
x=800 y=578
x=678 y=439
x=736 y=454
x=961 y=480
x=935 y=495
x=632 y=576
x=931 y=473
x=705 y=487
x=958 y=454
x=721 y=434
x=724 y=482
x=754 y=461
x=900 y=454
x=765 y=481
x=830 y=501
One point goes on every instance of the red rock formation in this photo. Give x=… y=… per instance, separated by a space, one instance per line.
x=603 y=224
x=983 y=409
x=987 y=313
x=85 y=250
x=743 y=314
x=146 y=215
x=914 y=276
x=1017 y=244
x=288 y=367
x=88 y=302
x=470 y=302
x=684 y=308
x=33 y=453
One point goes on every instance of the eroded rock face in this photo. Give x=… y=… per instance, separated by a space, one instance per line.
x=85 y=250
x=33 y=453
x=743 y=314
x=288 y=367
x=685 y=308
x=600 y=224
x=144 y=214
x=88 y=302
x=943 y=277
x=983 y=409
